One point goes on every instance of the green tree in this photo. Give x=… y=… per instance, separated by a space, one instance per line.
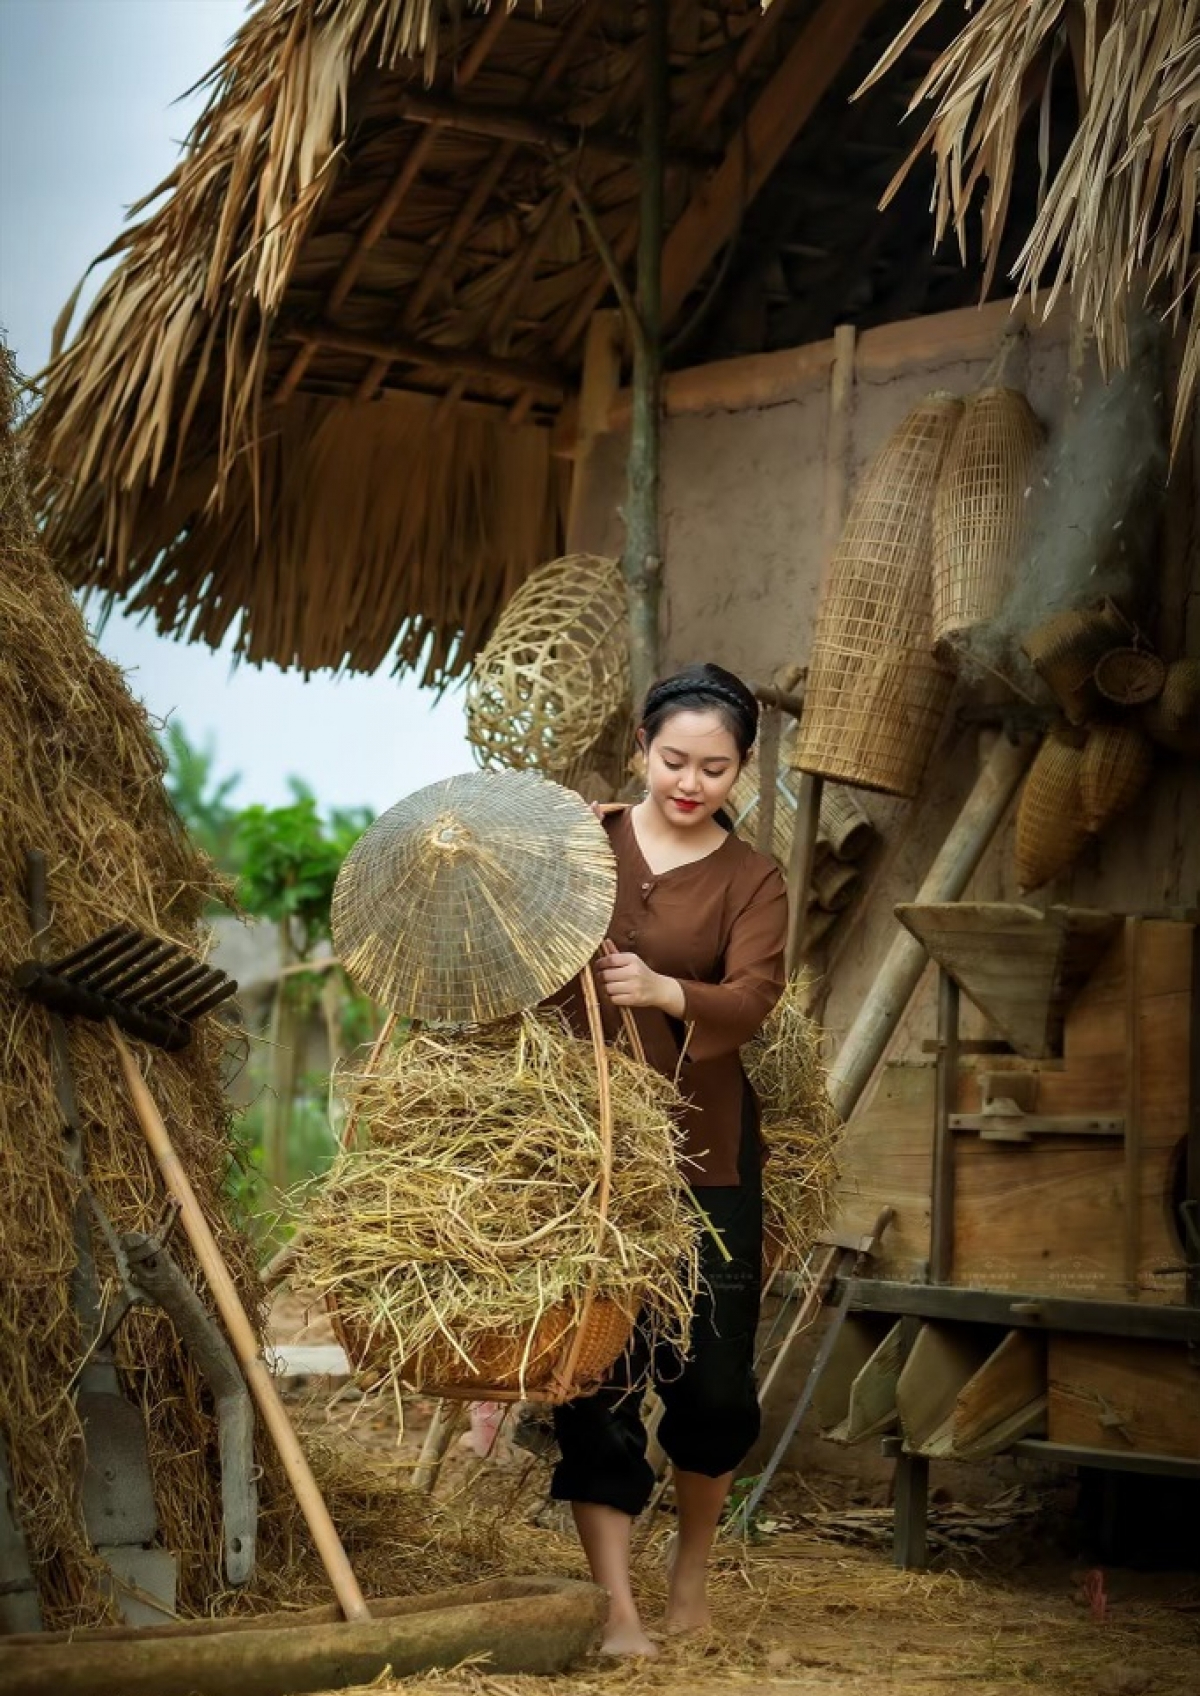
x=199 y=796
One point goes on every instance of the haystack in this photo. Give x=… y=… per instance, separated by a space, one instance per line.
x=477 y=1212
x=799 y=1125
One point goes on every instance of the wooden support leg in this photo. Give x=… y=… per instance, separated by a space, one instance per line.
x=910 y=1547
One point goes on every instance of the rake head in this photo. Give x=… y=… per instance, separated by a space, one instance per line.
x=153 y=990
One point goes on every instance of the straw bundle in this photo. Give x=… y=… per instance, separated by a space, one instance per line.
x=800 y=1128
x=555 y=670
x=1115 y=768
x=1050 y=825
x=468 y=1229
x=1174 y=719
x=875 y=694
x=1066 y=648
x=980 y=509
x=81 y=778
x=1130 y=677
x=1118 y=215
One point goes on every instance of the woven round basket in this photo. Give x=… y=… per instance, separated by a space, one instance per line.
x=981 y=508
x=875 y=694
x=568 y=1349
x=555 y=671
x=1174 y=719
x=1130 y=677
x=1115 y=768
x=1050 y=828
x=1065 y=650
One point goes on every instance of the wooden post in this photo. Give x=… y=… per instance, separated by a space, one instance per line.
x=1133 y=1093
x=641 y=562
x=597 y=389
x=941 y=1222
x=770 y=727
x=804 y=848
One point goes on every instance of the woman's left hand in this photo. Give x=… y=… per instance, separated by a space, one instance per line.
x=630 y=983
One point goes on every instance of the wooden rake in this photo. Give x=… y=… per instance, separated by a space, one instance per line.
x=156 y=991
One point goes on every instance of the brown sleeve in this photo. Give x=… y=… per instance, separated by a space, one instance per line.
x=725 y=1015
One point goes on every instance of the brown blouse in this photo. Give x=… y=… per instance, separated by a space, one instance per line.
x=718 y=925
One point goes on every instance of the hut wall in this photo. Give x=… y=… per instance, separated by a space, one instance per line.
x=743 y=504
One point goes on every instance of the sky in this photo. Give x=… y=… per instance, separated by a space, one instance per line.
x=90 y=120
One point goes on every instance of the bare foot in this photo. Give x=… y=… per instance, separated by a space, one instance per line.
x=627 y=1637
x=687 y=1597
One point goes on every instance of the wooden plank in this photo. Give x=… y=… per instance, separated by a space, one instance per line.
x=1133 y=1102
x=601 y=373
x=1010 y=1379
x=1027 y=1421
x=1009 y=1308
x=857 y=1342
x=942 y=1359
x=1075 y=1454
x=884 y=1161
x=872 y=1407
x=1119 y=1395
x=778 y=116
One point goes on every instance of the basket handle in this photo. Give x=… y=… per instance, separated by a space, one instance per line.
x=564 y=1372
x=629 y=1023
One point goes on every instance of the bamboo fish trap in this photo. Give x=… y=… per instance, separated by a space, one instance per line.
x=555 y=672
x=1116 y=766
x=876 y=695
x=1174 y=719
x=980 y=509
x=1066 y=649
x=1051 y=831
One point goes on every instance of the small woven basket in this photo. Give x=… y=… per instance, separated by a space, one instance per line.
x=875 y=694
x=1174 y=719
x=555 y=671
x=981 y=508
x=844 y=824
x=1130 y=677
x=1115 y=768
x=565 y=1352
x=1050 y=828
x=833 y=885
x=1066 y=649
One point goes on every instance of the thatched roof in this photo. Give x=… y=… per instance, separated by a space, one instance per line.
x=1118 y=216
x=316 y=391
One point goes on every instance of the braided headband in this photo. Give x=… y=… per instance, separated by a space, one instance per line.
x=674 y=689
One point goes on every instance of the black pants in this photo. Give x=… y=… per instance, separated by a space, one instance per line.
x=710 y=1400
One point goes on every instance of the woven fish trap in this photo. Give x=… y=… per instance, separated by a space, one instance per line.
x=1174 y=719
x=518 y=1204
x=1066 y=648
x=834 y=884
x=555 y=671
x=1050 y=828
x=1116 y=766
x=1130 y=677
x=981 y=508
x=875 y=694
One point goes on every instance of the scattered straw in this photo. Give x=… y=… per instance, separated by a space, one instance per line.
x=799 y=1124
x=475 y=1209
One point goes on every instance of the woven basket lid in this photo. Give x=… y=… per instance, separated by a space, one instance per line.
x=474 y=898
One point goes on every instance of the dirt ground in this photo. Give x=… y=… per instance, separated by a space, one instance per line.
x=812 y=1605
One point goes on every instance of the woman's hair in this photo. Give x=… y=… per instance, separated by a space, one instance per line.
x=703 y=688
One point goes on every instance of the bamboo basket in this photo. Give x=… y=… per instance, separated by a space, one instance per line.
x=571 y=1346
x=1115 y=768
x=554 y=674
x=875 y=694
x=833 y=885
x=1050 y=828
x=1130 y=677
x=844 y=824
x=1065 y=650
x=1174 y=719
x=981 y=508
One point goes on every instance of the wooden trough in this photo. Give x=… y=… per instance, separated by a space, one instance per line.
x=522 y=1625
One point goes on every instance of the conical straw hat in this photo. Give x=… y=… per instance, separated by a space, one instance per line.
x=474 y=898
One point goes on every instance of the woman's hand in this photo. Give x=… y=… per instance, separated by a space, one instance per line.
x=630 y=983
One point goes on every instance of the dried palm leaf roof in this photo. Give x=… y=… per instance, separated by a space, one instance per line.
x=1118 y=219
x=311 y=402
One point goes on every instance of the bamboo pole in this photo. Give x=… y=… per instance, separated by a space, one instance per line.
x=960 y=854
x=245 y=1343
x=641 y=562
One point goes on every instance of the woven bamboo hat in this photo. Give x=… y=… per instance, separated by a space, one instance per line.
x=474 y=898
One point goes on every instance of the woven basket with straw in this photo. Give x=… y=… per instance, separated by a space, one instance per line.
x=875 y=694
x=1130 y=677
x=1066 y=648
x=980 y=509
x=1050 y=827
x=555 y=671
x=1174 y=719
x=1115 y=768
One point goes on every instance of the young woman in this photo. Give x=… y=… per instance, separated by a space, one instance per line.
x=700 y=927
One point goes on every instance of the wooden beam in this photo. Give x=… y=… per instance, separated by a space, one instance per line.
x=389 y=205
x=601 y=374
x=466 y=361
x=501 y=124
x=779 y=114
